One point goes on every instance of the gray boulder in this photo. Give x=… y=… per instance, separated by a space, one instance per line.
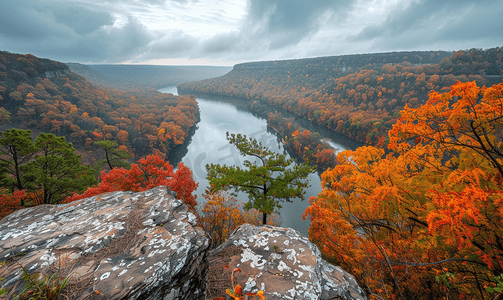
x=120 y=245
x=281 y=262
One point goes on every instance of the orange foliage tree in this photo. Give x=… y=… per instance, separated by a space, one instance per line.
x=222 y=214
x=150 y=172
x=422 y=221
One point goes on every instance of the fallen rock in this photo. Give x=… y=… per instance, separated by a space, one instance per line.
x=280 y=261
x=119 y=245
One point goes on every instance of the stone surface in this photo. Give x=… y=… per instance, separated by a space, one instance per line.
x=123 y=245
x=280 y=261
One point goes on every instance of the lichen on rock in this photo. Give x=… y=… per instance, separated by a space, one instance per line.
x=281 y=262
x=125 y=245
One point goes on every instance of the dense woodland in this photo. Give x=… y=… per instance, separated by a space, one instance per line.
x=359 y=96
x=44 y=96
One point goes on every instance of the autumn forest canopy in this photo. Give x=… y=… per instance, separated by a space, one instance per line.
x=44 y=96
x=415 y=213
x=359 y=96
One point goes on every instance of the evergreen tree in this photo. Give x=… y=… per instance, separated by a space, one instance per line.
x=114 y=157
x=267 y=180
x=16 y=149
x=57 y=171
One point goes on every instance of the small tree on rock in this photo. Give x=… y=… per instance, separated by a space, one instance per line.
x=269 y=179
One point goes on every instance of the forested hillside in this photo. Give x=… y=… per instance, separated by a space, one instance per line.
x=359 y=96
x=44 y=96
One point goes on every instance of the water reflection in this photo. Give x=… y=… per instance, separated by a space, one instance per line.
x=209 y=145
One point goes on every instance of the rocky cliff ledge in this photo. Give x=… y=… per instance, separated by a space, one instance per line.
x=119 y=245
x=147 y=245
x=280 y=261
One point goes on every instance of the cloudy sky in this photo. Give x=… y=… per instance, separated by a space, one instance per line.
x=225 y=32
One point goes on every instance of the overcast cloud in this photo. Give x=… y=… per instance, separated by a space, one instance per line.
x=232 y=31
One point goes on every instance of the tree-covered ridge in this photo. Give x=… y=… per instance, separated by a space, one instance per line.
x=45 y=96
x=353 y=61
x=359 y=96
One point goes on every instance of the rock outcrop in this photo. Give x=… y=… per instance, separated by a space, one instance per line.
x=146 y=245
x=119 y=245
x=281 y=262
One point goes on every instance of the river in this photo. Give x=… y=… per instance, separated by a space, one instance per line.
x=209 y=145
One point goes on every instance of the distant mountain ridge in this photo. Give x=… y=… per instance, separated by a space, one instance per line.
x=93 y=75
x=129 y=76
x=355 y=60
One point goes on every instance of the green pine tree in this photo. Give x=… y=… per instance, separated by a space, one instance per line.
x=113 y=156
x=16 y=150
x=267 y=180
x=57 y=170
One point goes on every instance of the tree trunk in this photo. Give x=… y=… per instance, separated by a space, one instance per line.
x=264 y=218
x=108 y=160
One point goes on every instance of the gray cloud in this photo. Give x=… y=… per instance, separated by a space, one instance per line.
x=69 y=32
x=450 y=24
x=286 y=22
x=117 y=44
x=80 y=19
x=171 y=45
x=22 y=21
x=274 y=26
x=221 y=43
x=116 y=30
